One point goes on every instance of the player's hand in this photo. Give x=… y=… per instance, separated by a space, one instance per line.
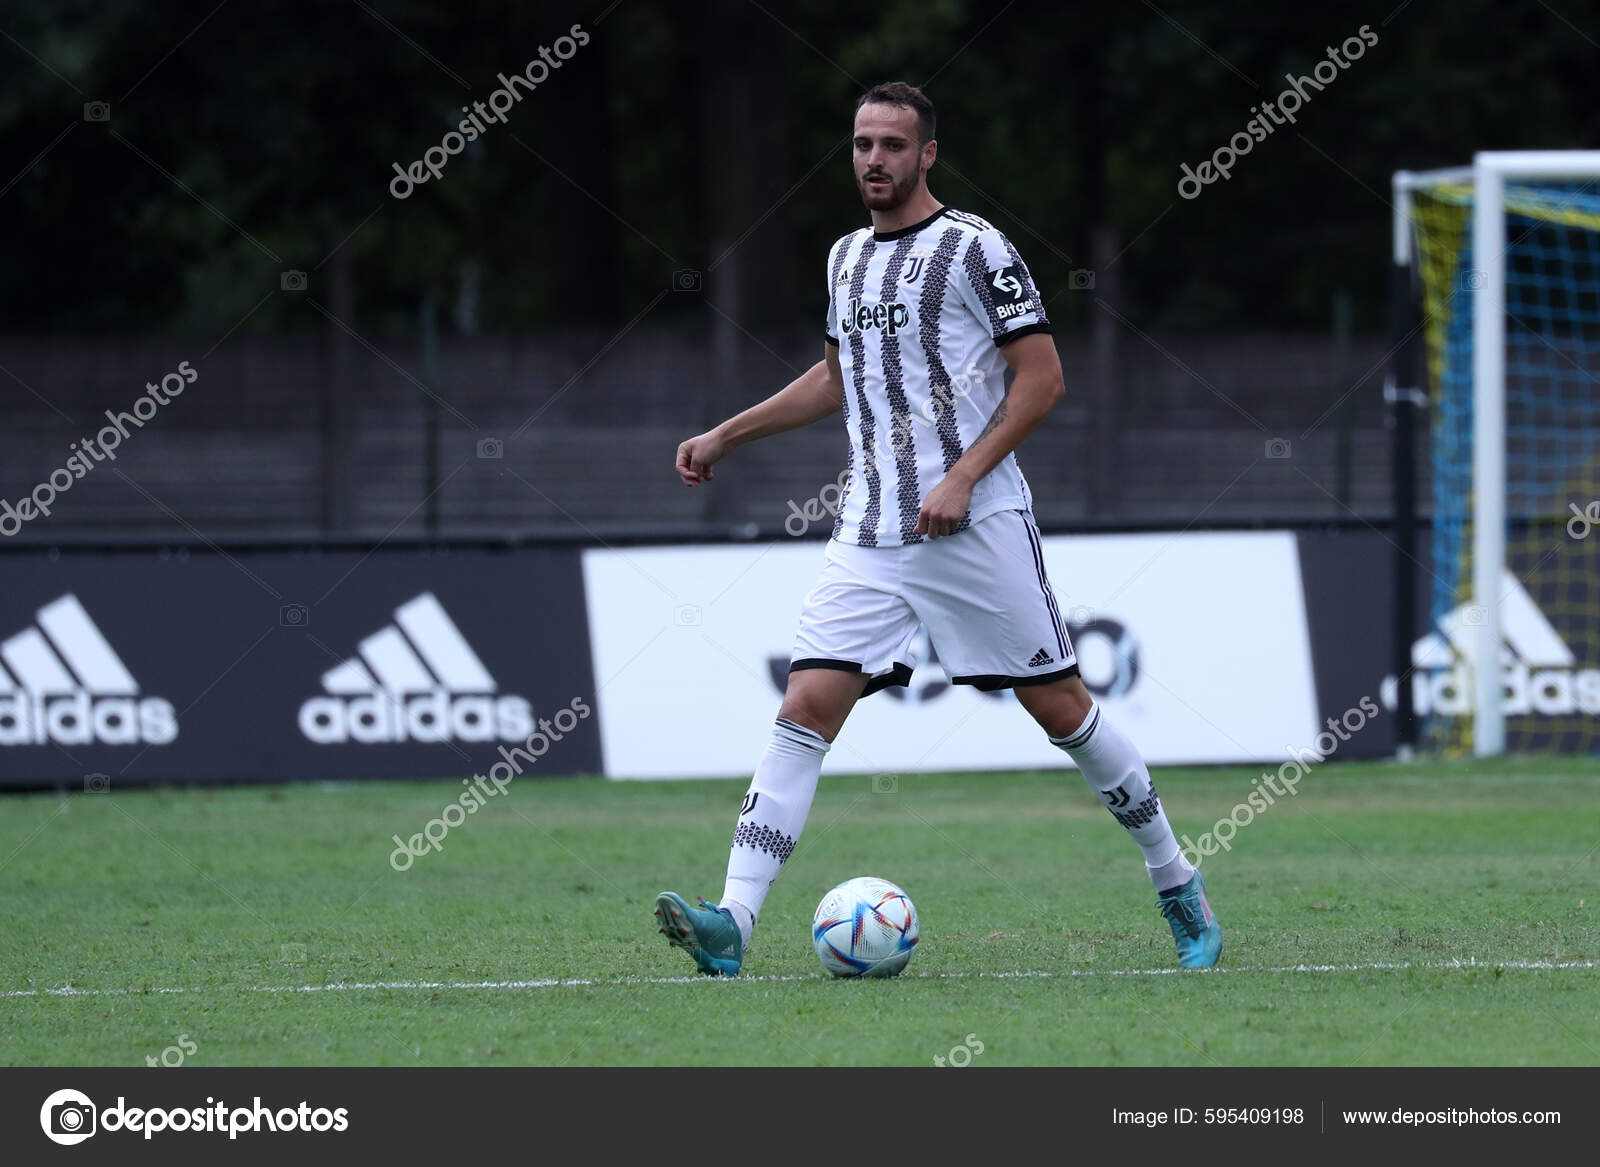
x=696 y=456
x=944 y=508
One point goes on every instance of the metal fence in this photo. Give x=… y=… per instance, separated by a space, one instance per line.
x=566 y=436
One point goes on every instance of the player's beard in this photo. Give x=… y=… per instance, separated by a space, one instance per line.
x=898 y=192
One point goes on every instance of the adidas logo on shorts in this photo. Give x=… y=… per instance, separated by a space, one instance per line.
x=1041 y=658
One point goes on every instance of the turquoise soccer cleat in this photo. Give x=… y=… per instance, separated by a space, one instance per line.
x=1194 y=926
x=707 y=933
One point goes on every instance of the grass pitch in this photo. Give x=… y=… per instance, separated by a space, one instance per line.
x=1457 y=899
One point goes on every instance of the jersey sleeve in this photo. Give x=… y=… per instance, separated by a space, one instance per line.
x=833 y=315
x=995 y=284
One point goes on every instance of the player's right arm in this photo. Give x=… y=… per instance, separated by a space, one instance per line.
x=813 y=395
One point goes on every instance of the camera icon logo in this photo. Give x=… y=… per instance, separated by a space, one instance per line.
x=96 y=783
x=1473 y=279
x=292 y=281
x=885 y=783
x=67 y=1117
x=491 y=448
x=97 y=111
x=1473 y=616
x=1278 y=449
x=293 y=616
x=686 y=616
x=1081 y=280
x=686 y=280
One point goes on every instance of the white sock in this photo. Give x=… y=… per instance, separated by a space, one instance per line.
x=1114 y=770
x=743 y=917
x=771 y=819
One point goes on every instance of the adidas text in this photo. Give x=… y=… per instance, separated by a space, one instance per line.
x=427 y=717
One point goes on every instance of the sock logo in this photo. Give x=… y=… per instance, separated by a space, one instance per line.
x=416 y=680
x=1141 y=815
x=749 y=803
x=1116 y=798
x=62 y=683
x=764 y=838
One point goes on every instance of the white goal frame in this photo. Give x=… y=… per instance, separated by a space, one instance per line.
x=1488 y=175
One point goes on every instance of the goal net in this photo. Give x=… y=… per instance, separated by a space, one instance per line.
x=1508 y=258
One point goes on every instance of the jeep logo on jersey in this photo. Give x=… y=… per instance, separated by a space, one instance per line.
x=1538 y=673
x=62 y=683
x=859 y=317
x=416 y=680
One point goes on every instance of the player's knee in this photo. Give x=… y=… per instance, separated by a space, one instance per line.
x=820 y=699
x=806 y=710
x=1060 y=708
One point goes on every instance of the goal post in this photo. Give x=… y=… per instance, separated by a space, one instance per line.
x=1515 y=236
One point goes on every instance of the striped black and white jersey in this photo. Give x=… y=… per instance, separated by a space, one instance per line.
x=919 y=316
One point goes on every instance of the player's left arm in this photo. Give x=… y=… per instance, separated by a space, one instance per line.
x=1034 y=391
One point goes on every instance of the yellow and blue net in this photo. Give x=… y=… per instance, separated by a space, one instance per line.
x=1550 y=601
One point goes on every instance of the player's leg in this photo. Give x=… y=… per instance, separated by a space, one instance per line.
x=993 y=618
x=816 y=702
x=853 y=636
x=1116 y=773
x=815 y=705
x=1112 y=767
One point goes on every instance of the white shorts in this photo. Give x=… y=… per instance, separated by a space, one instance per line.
x=982 y=593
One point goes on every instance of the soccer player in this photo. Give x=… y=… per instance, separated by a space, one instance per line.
x=926 y=309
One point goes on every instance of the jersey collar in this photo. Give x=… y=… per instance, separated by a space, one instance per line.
x=891 y=236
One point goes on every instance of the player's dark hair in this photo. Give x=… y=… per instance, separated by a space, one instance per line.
x=903 y=95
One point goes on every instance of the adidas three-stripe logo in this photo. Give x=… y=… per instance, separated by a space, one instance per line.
x=1041 y=658
x=415 y=680
x=61 y=682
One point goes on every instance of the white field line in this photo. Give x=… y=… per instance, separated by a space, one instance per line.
x=358 y=986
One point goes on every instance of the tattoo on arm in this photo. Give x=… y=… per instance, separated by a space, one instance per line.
x=995 y=418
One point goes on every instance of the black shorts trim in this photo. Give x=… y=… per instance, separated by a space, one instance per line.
x=989 y=682
x=898 y=674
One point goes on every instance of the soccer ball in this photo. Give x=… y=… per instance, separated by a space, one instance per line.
x=865 y=927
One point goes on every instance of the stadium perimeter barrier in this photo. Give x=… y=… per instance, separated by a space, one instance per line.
x=160 y=661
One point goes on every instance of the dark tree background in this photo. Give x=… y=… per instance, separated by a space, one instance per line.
x=251 y=137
